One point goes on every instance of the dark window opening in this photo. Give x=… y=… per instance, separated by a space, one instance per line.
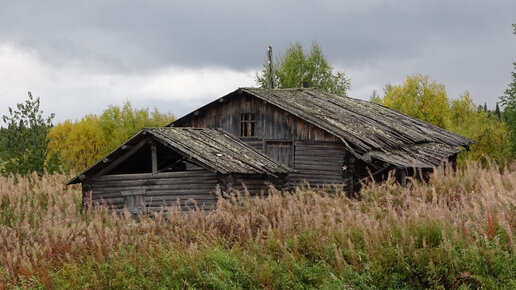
x=139 y=162
x=168 y=160
x=247 y=125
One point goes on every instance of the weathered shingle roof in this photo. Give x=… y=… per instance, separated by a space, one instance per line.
x=219 y=150
x=215 y=149
x=371 y=128
x=368 y=129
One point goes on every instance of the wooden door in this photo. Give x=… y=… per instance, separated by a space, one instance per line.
x=281 y=151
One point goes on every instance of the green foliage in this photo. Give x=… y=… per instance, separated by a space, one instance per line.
x=508 y=100
x=419 y=98
x=79 y=144
x=118 y=124
x=497 y=111
x=297 y=69
x=490 y=132
x=23 y=142
x=429 y=102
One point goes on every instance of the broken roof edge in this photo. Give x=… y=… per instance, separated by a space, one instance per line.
x=152 y=133
x=421 y=156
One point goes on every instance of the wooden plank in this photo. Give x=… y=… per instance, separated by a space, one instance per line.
x=170 y=199
x=318 y=151
x=318 y=163
x=318 y=168
x=133 y=192
x=320 y=146
x=141 y=186
x=154 y=157
x=146 y=182
x=197 y=188
x=164 y=175
x=318 y=178
x=188 y=192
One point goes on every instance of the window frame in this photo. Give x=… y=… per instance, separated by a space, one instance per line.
x=248 y=125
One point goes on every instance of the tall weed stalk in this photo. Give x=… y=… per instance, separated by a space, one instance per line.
x=456 y=230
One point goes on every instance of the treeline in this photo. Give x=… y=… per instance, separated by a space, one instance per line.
x=31 y=143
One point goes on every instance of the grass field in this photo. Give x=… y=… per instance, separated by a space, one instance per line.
x=457 y=231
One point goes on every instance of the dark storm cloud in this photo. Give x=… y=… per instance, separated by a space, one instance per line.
x=139 y=35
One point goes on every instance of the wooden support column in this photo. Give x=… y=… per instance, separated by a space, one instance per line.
x=154 y=157
x=403 y=176
x=351 y=175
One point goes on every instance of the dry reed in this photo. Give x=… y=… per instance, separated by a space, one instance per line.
x=431 y=234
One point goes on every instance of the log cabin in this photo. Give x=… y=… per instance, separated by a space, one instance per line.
x=253 y=138
x=182 y=166
x=326 y=138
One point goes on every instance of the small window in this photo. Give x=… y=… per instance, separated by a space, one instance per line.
x=247 y=125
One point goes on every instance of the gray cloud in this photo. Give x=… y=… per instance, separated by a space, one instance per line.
x=467 y=45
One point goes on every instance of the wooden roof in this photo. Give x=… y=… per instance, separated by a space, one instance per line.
x=213 y=149
x=219 y=150
x=368 y=130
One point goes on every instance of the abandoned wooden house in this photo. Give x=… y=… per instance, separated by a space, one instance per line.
x=328 y=139
x=161 y=166
x=262 y=137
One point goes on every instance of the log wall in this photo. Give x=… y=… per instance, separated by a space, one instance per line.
x=155 y=190
x=271 y=123
x=316 y=155
x=256 y=184
x=319 y=162
x=148 y=192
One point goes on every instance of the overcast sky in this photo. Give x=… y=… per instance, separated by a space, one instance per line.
x=81 y=56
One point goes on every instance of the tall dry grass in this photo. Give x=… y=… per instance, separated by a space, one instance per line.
x=457 y=230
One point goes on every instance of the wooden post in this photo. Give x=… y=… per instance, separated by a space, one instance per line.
x=403 y=176
x=351 y=175
x=271 y=70
x=154 y=157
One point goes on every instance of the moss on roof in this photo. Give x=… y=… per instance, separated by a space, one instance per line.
x=214 y=149
x=367 y=129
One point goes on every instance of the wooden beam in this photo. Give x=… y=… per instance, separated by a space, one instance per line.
x=154 y=157
x=122 y=158
x=351 y=176
x=403 y=176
